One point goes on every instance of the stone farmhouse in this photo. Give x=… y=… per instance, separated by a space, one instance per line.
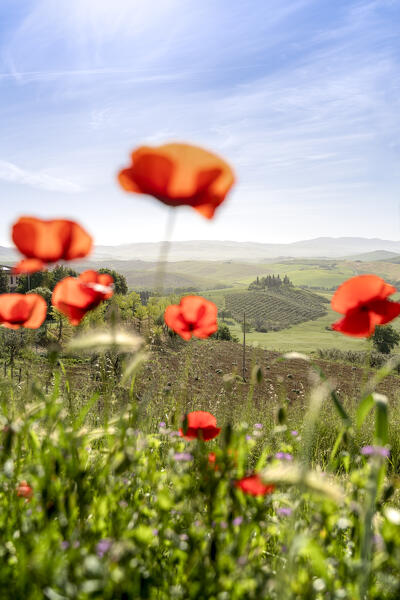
x=12 y=278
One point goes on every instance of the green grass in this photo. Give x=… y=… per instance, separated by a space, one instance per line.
x=305 y=337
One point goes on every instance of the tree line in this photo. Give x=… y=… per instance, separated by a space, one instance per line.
x=270 y=282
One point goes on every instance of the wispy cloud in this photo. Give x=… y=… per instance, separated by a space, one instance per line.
x=12 y=173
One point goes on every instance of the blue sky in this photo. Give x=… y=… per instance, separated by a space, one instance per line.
x=302 y=97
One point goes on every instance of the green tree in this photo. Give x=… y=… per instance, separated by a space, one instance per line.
x=224 y=333
x=120 y=284
x=46 y=294
x=12 y=342
x=4 y=287
x=385 y=339
x=60 y=272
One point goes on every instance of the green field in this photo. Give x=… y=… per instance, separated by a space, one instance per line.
x=305 y=337
x=275 y=310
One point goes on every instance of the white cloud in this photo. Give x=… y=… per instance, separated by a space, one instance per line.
x=11 y=173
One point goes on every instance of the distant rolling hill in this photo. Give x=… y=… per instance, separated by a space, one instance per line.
x=249 y=251
x=382 y=255
x=206 y=250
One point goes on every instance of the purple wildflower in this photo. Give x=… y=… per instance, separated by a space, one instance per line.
x=155 y=531
x=183 y=456
x=375 y=451
x=184 y=537
x=237 y=521
x=284 y=511
x=162 y=424
x=248 y=437
x=64 y=545
x=258 y=425
x=102 y=547
x=283 y=456
x=294 y=433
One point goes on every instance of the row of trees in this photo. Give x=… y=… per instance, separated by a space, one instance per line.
x=269 y=282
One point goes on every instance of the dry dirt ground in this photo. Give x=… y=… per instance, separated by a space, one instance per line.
x=204 y=373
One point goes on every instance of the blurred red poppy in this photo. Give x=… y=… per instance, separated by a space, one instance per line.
x=194 y=315
x=75 y=296
x=363 y=301
x=49 y=241
x=20 y=310
x=254 y=486
x=179 y=175
x=28 y=265
x=212 y=457
x=24 y=490
x=201 y=425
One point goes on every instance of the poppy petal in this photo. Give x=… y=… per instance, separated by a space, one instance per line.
x=254 y=486
x=356 y=323
x=360 y=290
x=384 y=311
x=22 y=310
x=28 y=265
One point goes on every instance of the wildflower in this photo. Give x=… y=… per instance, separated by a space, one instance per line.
x=179 y=175
x=200 y=425
x=254 y=486
x=48 y=242
x=212 y=457
x=283 y=456
x=248 y=438
x=375 y=451
x=284 y=511
x=183 y=456
x=64 y=545
x=194 y=315
x=162 y=424
x=294 y=433
x=102 y=547
x=24 y=490
x=363 y=301
x=258 y=425
x=75 y=296
x=237 y=521
x=22 y=310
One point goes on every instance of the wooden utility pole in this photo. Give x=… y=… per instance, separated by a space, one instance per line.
x=244 y=347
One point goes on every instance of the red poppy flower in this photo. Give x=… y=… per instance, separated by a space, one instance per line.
x=179 y=175
x=75 y=296
x=254 y=486
x=194 y=315
x=24 y=490
x=363 y=301
x=49 y=241
x=20 y=310
x=200 y=425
